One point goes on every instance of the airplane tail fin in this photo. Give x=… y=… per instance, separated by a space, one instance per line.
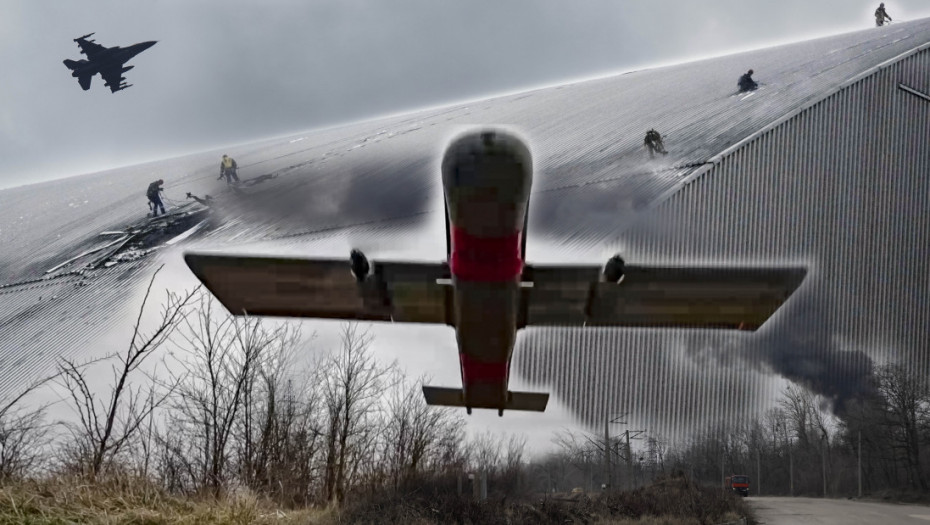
x=454 y=397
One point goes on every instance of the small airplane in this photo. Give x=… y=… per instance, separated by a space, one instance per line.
x=485 y=290
x=108 y=61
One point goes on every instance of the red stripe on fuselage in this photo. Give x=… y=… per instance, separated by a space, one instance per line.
x=478 y=372
x=485 y=259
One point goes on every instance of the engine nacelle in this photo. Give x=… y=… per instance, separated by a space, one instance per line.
x=614 y=269
x=361 y=268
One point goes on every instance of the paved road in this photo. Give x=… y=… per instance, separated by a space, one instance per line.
x=804 y=511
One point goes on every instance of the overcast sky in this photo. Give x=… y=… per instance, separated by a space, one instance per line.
x=230 y=71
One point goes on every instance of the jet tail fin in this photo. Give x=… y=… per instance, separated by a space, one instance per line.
x=454 y=397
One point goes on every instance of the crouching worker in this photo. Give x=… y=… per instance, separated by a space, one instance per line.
x=746 y=83
x=154 y=198
x=653 y=141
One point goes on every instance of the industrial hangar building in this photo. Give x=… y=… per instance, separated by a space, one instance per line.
x=837 y=180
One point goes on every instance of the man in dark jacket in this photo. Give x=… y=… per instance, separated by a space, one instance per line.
x=881 y=15
x=154 y=198
x=653 y=141
x=228 y=169
x=746 y=83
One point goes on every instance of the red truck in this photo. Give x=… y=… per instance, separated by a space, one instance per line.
x=738 y=483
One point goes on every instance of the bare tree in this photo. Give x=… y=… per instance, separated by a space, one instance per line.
x=351 y=384
x=797 y=405
x=512 y=465
x=280 y=434
x=294 y=443
x=907 y=410
x=105 y=427
x=223 y=356
x=413 y=432
x=22 y=433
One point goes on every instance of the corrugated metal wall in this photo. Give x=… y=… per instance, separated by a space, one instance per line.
x=842 y=187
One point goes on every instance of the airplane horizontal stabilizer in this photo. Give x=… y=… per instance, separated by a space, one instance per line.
x=447 y=397
x=532 y=401
x=454 y=397
x=324 y=288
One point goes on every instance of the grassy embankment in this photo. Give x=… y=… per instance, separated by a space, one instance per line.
x=62 y=501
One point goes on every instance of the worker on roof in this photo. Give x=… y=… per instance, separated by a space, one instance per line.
x=154 y=198
x=881 y=15
x=228 y=169
x=746 y=83
x=653 y=141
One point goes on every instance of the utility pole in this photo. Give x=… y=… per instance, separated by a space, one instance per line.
x=629 y=461
x=790 y=459
x=860 y=464
x=823 y=459
x=758 y=474
x=610 y=419
x=723 y=470
x=607 y=451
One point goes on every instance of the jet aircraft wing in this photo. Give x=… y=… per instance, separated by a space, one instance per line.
x=113 y=77
x=89 y=48
x=673 y=297
x=326 y=288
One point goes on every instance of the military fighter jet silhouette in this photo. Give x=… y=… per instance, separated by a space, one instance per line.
x=108 y=61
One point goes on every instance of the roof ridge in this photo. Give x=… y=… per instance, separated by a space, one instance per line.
x=717 y=158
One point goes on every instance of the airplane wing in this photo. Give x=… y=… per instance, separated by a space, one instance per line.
x=113 y=78
x=89 y=48
x=326 y=288
x=675 y=297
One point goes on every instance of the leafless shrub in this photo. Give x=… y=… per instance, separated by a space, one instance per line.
x=281 y=435
x=416 y=437
x=905 y=400
x=351 y=383
x=222 y=358
x=105 y=427
x=23 y=434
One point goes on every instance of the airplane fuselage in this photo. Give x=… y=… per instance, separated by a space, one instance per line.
x=107 y=58
x=487 y=183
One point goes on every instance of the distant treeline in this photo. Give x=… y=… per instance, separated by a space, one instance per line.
x=801 y=447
